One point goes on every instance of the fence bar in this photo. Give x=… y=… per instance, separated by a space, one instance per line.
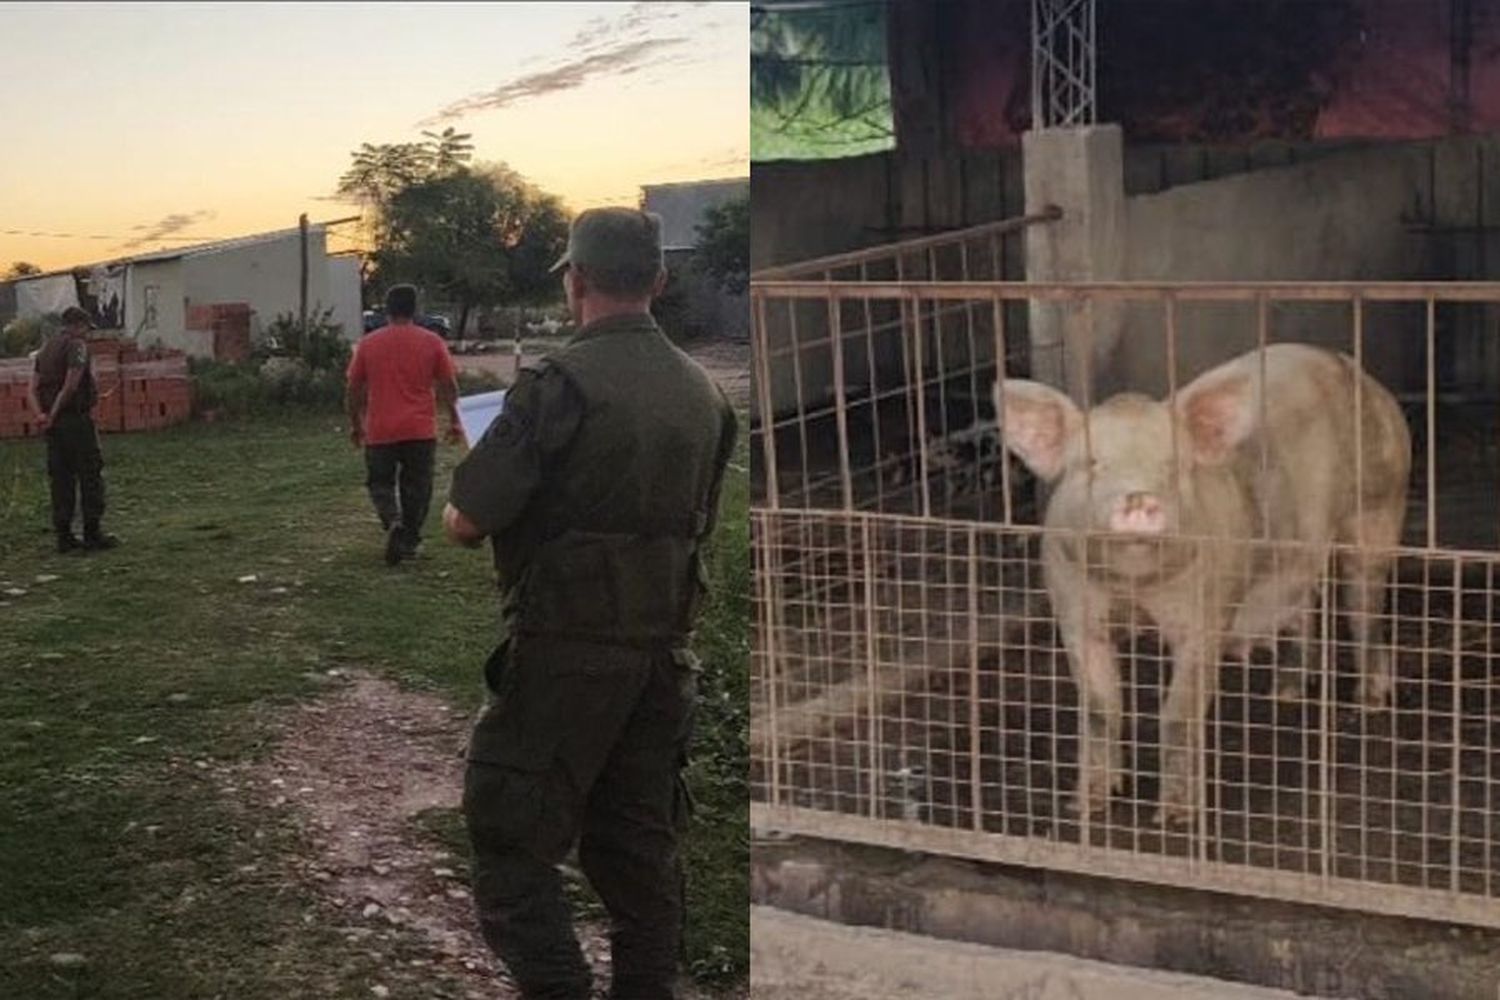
x=1117 y=863
x=1187 y=291
x=1456 y=763
x=1002 y=456
x=1431 y=423
x=1359 y=422
x=841 y=418
x=921 y=405
x=976 y=737
x=761 y=337
x=872 y=656
x=1050 y=213
x=875 y=395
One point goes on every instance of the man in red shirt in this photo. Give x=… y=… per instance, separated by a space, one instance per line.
x=394 y=377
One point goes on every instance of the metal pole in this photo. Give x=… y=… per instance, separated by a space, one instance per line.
x=302 y=291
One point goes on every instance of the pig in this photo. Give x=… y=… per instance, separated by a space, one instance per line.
x=1211 y=514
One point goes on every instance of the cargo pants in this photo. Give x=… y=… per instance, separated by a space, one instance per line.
x=75 y=470
x=399 y=480
x=581 y=743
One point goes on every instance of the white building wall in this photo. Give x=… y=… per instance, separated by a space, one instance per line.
x=682 y=206
x=265 y=274
x=344 y=295
x=168 y=327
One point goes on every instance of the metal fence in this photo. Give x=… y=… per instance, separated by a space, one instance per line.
x=1281 y=703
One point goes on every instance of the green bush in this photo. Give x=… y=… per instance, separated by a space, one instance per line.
x=22 y=336
x=252 y=389
x=323 y=349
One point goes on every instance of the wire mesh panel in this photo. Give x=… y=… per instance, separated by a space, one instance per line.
x=1216 y=634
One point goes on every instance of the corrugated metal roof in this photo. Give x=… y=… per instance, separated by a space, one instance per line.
x=216 y=247
x=198 y=249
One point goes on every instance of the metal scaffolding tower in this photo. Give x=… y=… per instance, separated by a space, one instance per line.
x=1062 y=63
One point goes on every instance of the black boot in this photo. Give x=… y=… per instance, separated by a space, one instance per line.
x=395 y=544
x=67 y=541
x=95 y=540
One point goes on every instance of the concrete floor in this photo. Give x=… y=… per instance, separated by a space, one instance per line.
x=793 y=957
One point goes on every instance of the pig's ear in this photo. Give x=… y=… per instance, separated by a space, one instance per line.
x=1036 y=422
x=1218 y=411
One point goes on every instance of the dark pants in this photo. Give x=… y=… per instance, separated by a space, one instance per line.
x=75 y=467
x=581 y=743
x=399 y=478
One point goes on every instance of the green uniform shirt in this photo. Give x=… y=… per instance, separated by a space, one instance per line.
x=598 y=483
x=58 y=356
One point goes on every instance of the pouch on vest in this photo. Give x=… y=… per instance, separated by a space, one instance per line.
x=612 y=586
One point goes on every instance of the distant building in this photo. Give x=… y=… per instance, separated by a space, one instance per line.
x=707 y=310
x=209 y=300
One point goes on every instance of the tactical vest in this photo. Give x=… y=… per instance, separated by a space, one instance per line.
x=52 y=371
x=609 y=548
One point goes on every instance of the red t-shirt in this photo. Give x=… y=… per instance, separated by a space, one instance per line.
x=400 y=363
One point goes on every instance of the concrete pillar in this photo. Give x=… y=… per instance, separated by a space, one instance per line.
x=1081 y=171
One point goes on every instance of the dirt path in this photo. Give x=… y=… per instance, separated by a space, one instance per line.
x=727 y=362
x=357 y=768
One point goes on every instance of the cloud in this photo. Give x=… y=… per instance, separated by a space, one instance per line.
x=166 y=226
x=739 y=157
x=604 y=48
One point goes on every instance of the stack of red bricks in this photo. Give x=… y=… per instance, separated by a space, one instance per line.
x=137 y=391
x=17 y=418
x=230 y=323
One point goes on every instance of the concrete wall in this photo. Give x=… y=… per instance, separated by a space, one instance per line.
x=344 y=295
x=1405 y=211
x=1082 y=171
x=1339 y=218
x=170 y=326
x=803 y=210
x=1270 y=211
x=264 y=274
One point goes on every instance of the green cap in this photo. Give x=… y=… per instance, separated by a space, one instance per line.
x=74 y=316
x=613 y=239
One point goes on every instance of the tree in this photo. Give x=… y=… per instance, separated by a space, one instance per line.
x=451 y=150
x=724 y=245
x=22 y=269
x=477 y=236
x=378 y=172
x=819 y=84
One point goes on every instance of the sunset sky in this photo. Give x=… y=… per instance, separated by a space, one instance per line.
x=154 y=125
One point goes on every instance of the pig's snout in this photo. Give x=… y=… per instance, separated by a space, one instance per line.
x=1138 y=514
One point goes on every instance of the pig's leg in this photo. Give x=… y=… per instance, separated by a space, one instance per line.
x=1365 y=574
x=1291 y=677
x=1194 y=680
x=1280 y=600
x=1081 y=619
x=1364 y=595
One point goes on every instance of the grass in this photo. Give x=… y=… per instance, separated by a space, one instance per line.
x=127 y=680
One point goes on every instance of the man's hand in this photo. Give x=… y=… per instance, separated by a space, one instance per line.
x=459 y=529
x=455 y=433
x=43 y=421
x=356 y=436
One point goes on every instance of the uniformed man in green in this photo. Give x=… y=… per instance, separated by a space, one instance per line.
x=598 y=484
x=63 y=393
